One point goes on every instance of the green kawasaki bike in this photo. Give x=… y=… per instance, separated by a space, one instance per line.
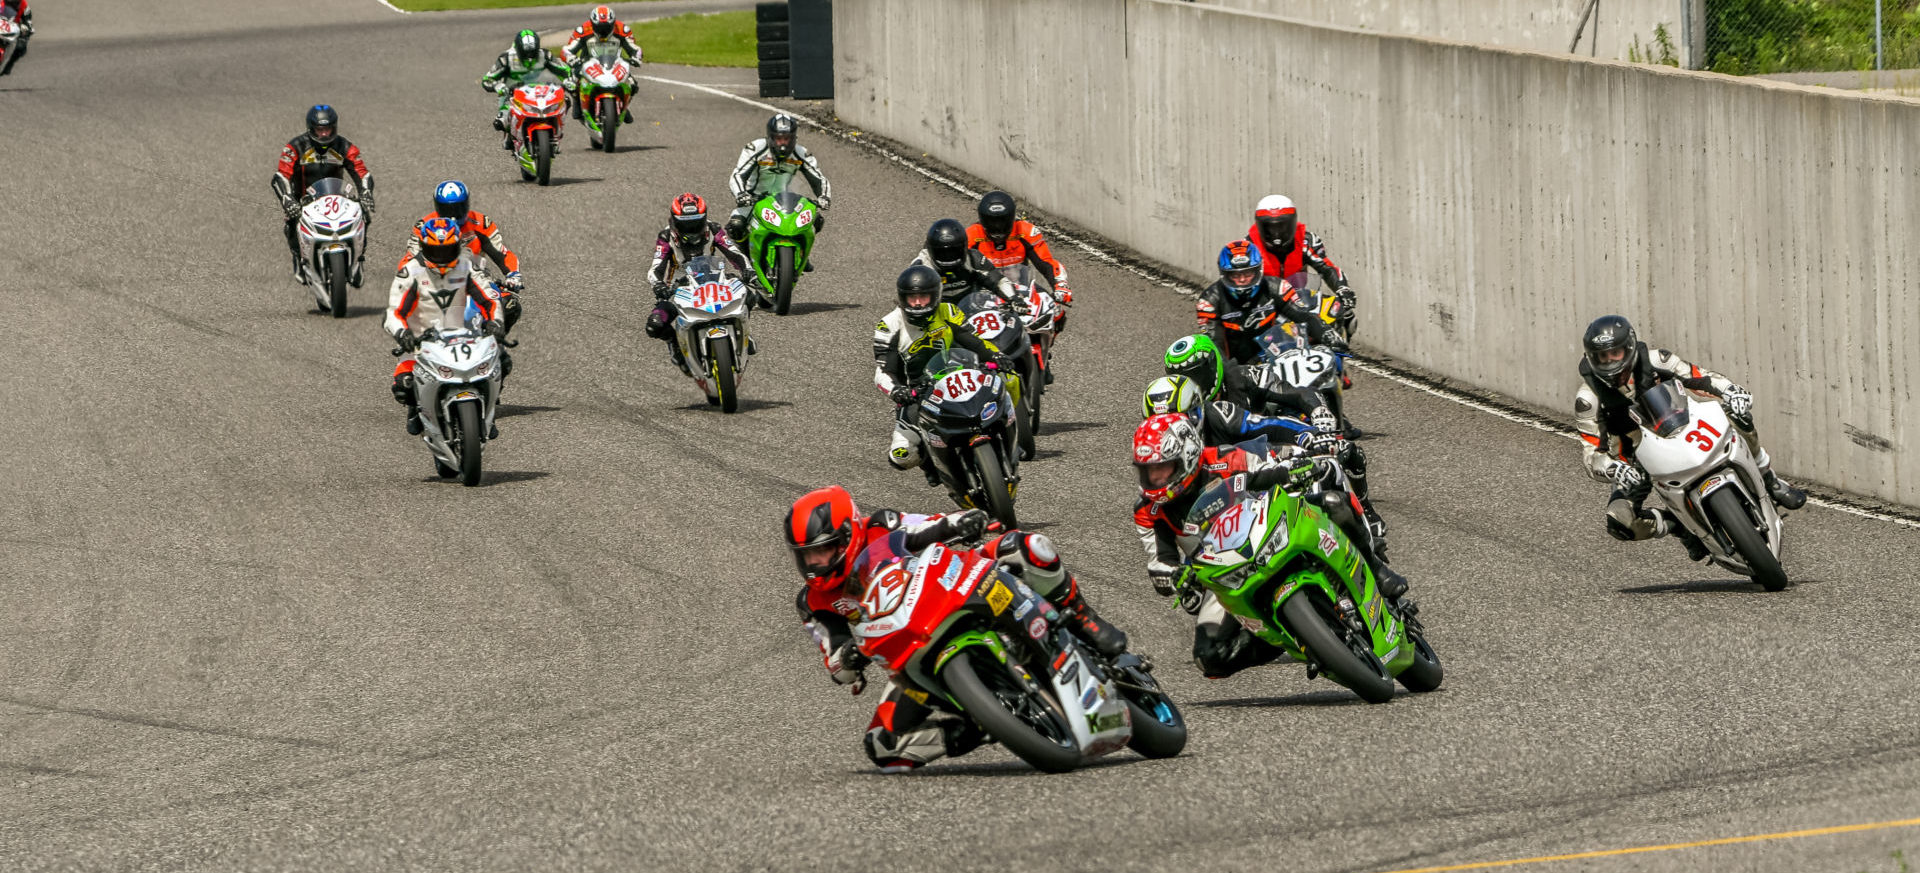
x=778 y=242
x=1291 y=576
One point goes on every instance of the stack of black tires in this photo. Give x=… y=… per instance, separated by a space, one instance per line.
x=796 y=49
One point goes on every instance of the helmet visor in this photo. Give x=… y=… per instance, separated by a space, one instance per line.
x=456 y=210
x=997 y=226
x=1157 y=475
x=917 y=301
x=440 y=253
x=1277 y=231
x=782 y=143
x=1610 y=362
x=1241 y=282
x=602 y=28
x=821 y=560
x=322 y=133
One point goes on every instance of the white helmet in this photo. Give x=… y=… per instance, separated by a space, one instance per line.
x=1274 y=219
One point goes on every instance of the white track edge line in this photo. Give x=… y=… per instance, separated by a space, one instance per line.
x=395 y=8
x=1105 y=257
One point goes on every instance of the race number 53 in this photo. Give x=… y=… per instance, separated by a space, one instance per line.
x=1703 y=436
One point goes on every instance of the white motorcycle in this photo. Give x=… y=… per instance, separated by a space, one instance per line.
x=13 y=42
x=711 y=306
x=603 y=95
x=1710 y=480
x=457 y=391
x=333 y=242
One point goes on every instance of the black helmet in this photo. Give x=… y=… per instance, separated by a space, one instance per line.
x=323 y=118
x=947 y=245
x=1611 y=346
x=996 y=216
x=526 y=47
x=922 y=284
x=780 y=134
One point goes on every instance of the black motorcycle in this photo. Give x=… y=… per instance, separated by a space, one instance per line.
x=967 y=420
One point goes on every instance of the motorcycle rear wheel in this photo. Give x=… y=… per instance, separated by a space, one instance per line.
x=543 y=157
x=1723 y=506
x=609 y=122
x=1022 y=734
x=470 y=439
x=337 y=284
x=1365 y=675
x=993 y=484
x=782 y=279
x=721 y=354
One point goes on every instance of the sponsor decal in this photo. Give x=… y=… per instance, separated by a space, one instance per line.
x=999 y=598
x=1106 y=722
x=1037 y=628
x=1328 y=542
x=1250 y=624
x=1143 y=452
x=916 y=696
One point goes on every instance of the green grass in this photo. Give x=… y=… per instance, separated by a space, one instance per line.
x=724 y=39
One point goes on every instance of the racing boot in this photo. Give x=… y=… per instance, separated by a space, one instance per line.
x=944 y=738
x=578 y=113
x=1106 y=639
x=677 y=359
x=626 y=116
x=403 y=393
x=1664 y=524
x=299 y=275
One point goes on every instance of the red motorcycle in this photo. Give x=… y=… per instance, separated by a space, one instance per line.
x=952 y=624
x=536 y=111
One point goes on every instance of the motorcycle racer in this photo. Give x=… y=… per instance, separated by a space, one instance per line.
x=904 y=340
x=1243 y=303
x=1006 y=241
x=522 y=64
x=1174 y=467
x=432 y=292
x=1615 y=369
x=601 y=29
x=962 y=270
x=830 y=537
x=1287 y=247
x=452 y=200
x=320 y=153
x=688 y=234
x=767 y=166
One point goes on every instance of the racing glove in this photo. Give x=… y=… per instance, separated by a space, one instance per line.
x=901 y=395
x=660 y=291
x=408 y=342
x=1336 y=342
x=366 y=202
x=493 y=328
x=1626 y=477
x=967 y=525
x=1739 y=407
x=1324 y=420
x=291 y=207
x=847 y=666
x=1161 y=574
x=513 y=282
x=1348 y=300
x=744 y=198
x=1321 y=442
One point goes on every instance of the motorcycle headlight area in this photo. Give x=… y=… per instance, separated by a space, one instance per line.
x=806 y=218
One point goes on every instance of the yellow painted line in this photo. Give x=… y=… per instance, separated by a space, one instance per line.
x=1724 y=841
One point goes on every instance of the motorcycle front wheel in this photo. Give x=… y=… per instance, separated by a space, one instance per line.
x=469 y=439
x=996 y=701
x=993 y=484
x=337 y=284
x=543 y=157
x=1724 y=507
x=1159 y=730
x=782 y=279
x=1345 y=663
x=609 y=122
x=721 y=354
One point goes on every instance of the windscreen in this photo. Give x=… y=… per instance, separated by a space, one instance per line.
x=1663 y=409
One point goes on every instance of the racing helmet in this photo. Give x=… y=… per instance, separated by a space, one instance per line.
x=1170 y=394
x=996 y=216
x=688 y=215
x=1276 y=220
x=526 y=48
x=947 y=245
x=450 y=200
x=439 y=242
x=1611 y=346
x=602 y=20
x=918 y=290
x=781 y=132
x=1240 y=270
x=1197 y=358
x=820 y=528
x=1166 y=454
x=323 y=124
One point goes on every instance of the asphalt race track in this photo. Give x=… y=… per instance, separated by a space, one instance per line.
x=243 y=627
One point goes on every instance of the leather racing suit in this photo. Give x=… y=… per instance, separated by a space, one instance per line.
x=506 y=74
x=423 y=298
x=1235 y=326
x=483 y=237
x=584 y=44
x=759 y=173
x=304 y=162
x=668 y=255
x=901 y=350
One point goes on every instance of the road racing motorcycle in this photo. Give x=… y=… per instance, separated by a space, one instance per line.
x=995 y=320
x=1042 y=317
x=779 y=241
x=1710 y=480
x=977 y=642
x=457 y=391
x=967 y=421
x=1291 y=576
x=535 y=112
x=710 y=306
x=1291 y=364
x=13 y=42
x=333 y=242
x=603 y=84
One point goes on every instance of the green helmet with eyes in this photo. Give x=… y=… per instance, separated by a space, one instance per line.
x=1199 y=360
x=526 y=49
x=1171 y=394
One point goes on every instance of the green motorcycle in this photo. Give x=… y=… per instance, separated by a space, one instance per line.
x=778 y=242
x=1291 y=576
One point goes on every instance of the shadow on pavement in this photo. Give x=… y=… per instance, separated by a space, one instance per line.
x=558 y=182
x=746 y=405
x=621 y=150
x=1341 y=697
x=1710 y=586
x=491 y=478
x=509 y=410
x=1049 y=428
x=1000 y=769
x=813 y=307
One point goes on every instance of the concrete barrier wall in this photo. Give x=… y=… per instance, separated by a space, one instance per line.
x=1537 y=25
x=1487 y=202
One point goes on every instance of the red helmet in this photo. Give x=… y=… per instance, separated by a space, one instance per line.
x=689 y=217
x=602 y=21
x=820 y=530
x=1166 y=452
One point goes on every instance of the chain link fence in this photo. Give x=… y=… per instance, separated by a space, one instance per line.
x=1747 y=37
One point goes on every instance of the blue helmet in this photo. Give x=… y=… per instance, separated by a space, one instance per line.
x=1240 y=268
x=450 y=200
